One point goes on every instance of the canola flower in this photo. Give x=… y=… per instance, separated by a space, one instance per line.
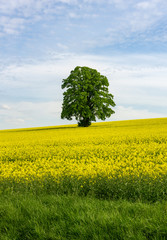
x=111 y=150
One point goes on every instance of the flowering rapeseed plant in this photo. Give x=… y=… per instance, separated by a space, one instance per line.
x=111 y=150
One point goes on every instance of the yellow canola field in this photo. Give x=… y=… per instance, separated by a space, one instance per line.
x=112 y=149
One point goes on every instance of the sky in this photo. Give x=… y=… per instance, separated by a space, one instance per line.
x=41 y=41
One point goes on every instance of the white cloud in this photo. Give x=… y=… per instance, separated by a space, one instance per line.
x=5 y=106
x=68 y=1
x=144 y=5
x=141 y=77
x=28 y=8
x=27 y=114
x=36 y=108
x=62 y=46
x=151 y=5
x=124 y=70
x=16 y=14
x=129 y=113
x=130 y=16
x=135 y=21
x=11 y=25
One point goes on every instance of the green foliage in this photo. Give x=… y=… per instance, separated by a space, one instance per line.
x=50 y=217
x=86 y=97
x=133 y=189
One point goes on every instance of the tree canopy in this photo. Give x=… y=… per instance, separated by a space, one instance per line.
x=86 y=96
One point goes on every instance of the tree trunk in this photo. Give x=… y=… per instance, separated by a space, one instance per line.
x=84 y=122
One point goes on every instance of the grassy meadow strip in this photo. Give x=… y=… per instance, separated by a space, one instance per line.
x=51 y=217
x=116 y=160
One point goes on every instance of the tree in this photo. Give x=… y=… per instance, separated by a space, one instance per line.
x=86 y=97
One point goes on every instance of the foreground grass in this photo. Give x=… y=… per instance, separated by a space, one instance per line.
x=27 y=216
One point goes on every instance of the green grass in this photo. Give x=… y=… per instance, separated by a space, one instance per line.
x=130 y=189
x=51 y=217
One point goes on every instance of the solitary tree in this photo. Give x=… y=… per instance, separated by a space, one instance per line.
x=86 y=97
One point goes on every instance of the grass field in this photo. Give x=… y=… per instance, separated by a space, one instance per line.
x=113 y=165
x=50 y=217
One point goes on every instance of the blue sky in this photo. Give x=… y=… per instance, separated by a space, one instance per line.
x=41 y=41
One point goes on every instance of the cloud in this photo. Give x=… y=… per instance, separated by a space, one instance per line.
x=15 y=121
x=137 y=70
x=151 y=5
x=144 y=5
x=11 y=25
x=122 y=16
x=133 y=24
x=81 y=26
x=17 y=14
x=5 y=107
x=27 y=114
x=62 y=46
x=28 y=8
x=129 y=113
